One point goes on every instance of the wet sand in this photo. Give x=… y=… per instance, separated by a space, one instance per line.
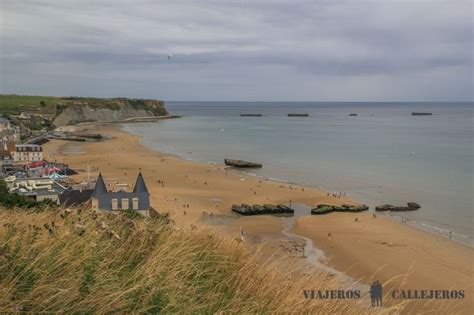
x=398 y=255
x=371 y=249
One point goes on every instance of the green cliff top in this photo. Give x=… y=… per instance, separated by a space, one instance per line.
x=50 y=105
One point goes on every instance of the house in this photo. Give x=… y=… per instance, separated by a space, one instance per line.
x=10 y=134
x=4 y=124
x=27 y=153
x=38 y=189
x=138 y=200
x=9 y=145
x=24 y=116
x=6 y=159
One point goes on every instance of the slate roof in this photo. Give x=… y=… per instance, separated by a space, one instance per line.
x=105 y=198
x=28 y=148
x=72 y=198
x=140 y=186
x=100 y=187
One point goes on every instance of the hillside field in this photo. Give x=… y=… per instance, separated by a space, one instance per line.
x=15 y=104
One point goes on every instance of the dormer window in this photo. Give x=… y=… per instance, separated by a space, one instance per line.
x=125 y=204
x=114 y=204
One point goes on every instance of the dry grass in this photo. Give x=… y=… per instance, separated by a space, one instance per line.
x=136 y=265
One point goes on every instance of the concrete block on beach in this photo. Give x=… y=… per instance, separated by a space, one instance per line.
x=324 y=209
x=245 y=209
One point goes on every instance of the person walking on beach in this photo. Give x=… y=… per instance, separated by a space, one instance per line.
x=372 y=293
x=242 y=233
x=379 y=293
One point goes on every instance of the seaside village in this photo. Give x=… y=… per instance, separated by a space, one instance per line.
x=27 y=173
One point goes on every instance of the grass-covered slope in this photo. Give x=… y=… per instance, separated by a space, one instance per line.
x=86 y=262
x=53 y=106
x=15 y=104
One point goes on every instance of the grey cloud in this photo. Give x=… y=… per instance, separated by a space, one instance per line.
x=239 y=45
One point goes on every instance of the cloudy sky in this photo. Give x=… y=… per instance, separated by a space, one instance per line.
x=266 y=50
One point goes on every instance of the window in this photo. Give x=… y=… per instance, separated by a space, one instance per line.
x=125 y=204
x=135 y=203
x=114 y=204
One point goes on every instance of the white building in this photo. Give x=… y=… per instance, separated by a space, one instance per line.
x=38 y=189
x=4 y=124
x=27 y=153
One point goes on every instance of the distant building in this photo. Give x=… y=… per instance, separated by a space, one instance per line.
x=24 y=116
x=9 y=145
x=4 y=124
x=27 y=153
x=9 y=135
x=138 y=200
x=6 y=159
x=38 y=189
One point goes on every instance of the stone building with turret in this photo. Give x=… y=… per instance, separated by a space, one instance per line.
x=137 y=200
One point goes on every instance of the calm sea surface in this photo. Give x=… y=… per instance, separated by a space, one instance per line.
x=383 y=155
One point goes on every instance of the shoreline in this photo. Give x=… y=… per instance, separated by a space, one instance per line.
x=216 y=183
x=396 y=216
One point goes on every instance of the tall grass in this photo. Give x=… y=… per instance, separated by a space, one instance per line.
x=86 y=262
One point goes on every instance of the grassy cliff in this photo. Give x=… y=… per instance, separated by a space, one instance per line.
x=77 y=261
x=53 y=106
x=15 y=104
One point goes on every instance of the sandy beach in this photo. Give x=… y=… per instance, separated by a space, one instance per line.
x=380 y=248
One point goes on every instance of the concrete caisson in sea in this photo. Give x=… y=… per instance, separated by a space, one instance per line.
x=241 y=163
x=411 y=206
x=298 y=115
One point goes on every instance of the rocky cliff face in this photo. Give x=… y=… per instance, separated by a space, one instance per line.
x=70 y=111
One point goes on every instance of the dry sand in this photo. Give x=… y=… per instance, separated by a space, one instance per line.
x=374 y=248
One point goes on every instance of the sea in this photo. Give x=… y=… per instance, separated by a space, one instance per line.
x=384 y=155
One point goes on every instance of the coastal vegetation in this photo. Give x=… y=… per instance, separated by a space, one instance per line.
x=43 y=113
x=16 y=104
x=81 y=261
x=51 y=106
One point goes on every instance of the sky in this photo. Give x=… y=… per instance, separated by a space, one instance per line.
x=228 y=50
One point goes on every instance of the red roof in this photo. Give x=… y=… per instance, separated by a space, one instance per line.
x=37 y=164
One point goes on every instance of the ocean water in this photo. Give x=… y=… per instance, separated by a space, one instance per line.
x=383 y=155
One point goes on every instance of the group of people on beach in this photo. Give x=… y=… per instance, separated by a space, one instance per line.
x=337 y=194
x=376 y=293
